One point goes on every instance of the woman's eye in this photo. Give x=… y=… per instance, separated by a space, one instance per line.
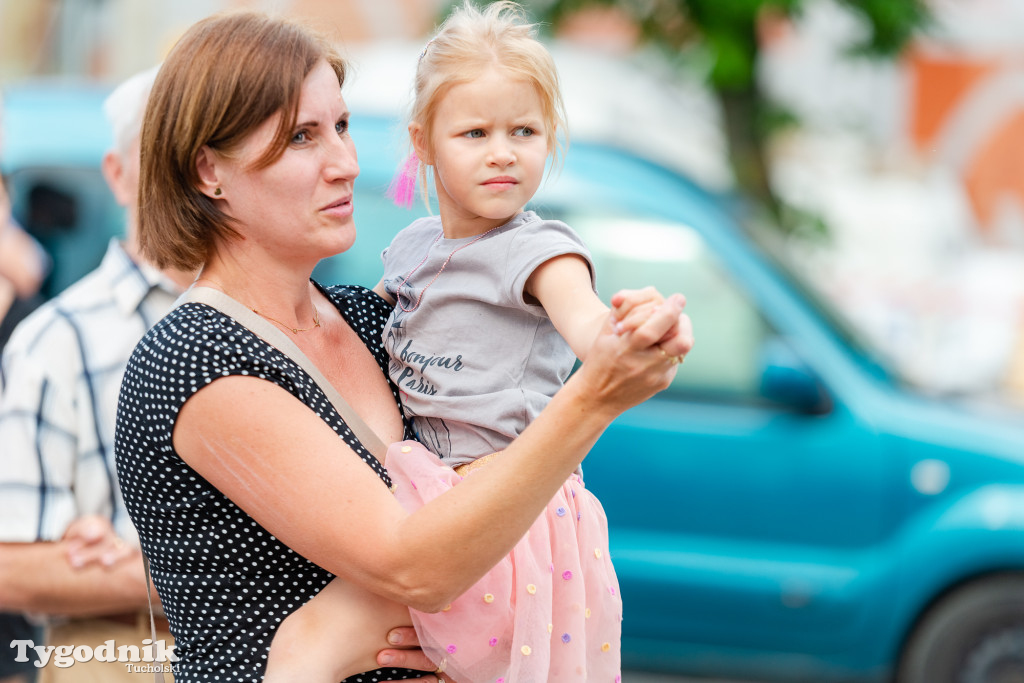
x=341 y=127
x=300 y=137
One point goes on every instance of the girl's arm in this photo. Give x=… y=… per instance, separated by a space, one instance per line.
x=562 y=285
x=284 y=466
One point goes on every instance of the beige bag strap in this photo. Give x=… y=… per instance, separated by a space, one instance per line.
x=278 y=339
x=158 y=674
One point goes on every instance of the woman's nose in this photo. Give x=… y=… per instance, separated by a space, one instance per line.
x=342 y=162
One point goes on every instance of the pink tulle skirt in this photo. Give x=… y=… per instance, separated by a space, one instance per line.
x=549 y=611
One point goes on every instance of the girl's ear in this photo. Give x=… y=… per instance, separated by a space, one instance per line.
x=206 y=167
x=419 y=143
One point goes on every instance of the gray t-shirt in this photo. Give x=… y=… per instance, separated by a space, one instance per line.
x=474 y=361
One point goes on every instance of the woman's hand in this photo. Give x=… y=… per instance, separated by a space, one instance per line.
x=408 y=655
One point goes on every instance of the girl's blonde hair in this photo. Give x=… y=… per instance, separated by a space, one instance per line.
x=467 y=43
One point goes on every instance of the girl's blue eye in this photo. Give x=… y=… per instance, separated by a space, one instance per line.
x=524 y=131
x=475 y=133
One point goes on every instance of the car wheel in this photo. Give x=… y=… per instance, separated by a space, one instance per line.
x=973 y=635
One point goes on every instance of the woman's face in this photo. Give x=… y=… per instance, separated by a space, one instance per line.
x=300 y=207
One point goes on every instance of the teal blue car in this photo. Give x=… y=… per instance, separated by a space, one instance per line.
x=790 y=509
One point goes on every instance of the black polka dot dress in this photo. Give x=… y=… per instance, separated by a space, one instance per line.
x=225 y=582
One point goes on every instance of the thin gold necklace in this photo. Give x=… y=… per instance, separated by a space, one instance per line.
x=295 y=330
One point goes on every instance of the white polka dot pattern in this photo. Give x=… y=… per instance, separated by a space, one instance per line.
x=225 y=582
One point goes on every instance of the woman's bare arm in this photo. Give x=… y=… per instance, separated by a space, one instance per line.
x=288 y=469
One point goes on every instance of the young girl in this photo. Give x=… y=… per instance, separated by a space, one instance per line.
x=493 y=305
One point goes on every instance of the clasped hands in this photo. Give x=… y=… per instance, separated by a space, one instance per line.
x=633 y=310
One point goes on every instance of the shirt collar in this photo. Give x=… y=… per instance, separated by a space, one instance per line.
x=130 y=281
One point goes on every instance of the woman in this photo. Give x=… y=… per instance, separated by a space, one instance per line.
x=246 y=499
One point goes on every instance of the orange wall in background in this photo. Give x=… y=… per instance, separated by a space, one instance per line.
x=993 y=168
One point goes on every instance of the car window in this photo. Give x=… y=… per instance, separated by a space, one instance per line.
x=733 y=338
x=631 y=252
x=72 y=213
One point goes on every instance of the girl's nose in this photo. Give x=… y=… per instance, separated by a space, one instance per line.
x=501 y=154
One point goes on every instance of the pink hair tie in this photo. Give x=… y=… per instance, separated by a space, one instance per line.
x=402 y=189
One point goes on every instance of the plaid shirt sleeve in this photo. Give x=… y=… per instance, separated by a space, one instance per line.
x=61 y=374
x=39 y=451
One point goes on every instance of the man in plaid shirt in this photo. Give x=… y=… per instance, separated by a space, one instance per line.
x=68 y=551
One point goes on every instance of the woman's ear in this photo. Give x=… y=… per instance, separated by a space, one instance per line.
x=206 y=167
x=419 y=143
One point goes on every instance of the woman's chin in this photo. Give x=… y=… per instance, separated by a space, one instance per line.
x=344 y=238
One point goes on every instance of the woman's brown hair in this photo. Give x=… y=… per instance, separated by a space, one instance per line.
x=226 y=76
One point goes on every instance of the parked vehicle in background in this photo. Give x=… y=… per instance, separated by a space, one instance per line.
x=54 y=138
x=789 y=509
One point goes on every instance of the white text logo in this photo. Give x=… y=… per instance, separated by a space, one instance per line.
x=64 y=656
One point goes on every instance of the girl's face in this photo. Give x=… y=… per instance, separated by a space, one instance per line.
x=490 y=147
x=300 y=207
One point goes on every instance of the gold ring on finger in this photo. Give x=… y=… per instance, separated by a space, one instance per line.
x=675 y=360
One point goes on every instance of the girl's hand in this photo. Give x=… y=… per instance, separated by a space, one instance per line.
x=625 y=369
x=632 y=307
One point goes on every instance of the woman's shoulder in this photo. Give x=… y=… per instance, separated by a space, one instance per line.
x=193 y=329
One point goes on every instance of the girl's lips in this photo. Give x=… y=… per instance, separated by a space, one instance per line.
x=500 y=183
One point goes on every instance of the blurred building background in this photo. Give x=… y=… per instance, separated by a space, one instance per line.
x=914 y=164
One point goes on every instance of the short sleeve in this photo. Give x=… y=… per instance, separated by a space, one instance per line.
x=536 y=242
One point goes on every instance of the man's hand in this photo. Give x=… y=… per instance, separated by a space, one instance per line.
x=92 y=540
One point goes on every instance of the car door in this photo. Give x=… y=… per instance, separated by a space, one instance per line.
x=737 y=521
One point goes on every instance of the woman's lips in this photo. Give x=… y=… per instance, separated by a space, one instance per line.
x=341 y=207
